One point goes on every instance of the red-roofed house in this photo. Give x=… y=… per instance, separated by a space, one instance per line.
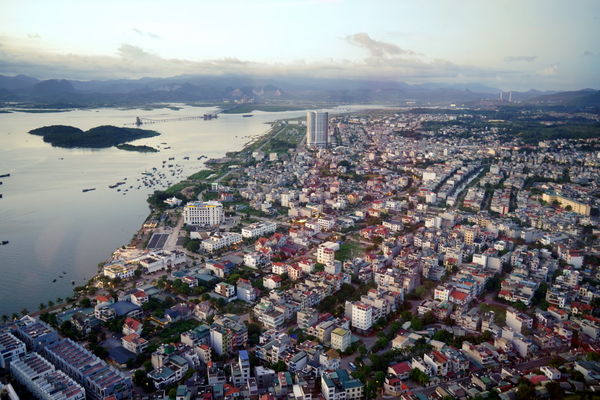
x=132 y=325
x=139 y=298
x=394 y=386
x=458 y=297
x=272 y=281
x=400 y=370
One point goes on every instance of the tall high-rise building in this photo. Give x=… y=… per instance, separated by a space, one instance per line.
x=317 y=124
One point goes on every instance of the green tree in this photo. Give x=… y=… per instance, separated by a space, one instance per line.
x=418 y=376
x=85 y=303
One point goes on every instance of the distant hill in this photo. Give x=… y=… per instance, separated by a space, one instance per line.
x=60 y=93
x=578 y=98
x=98 y=137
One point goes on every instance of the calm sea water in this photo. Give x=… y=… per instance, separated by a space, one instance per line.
x=54 y=228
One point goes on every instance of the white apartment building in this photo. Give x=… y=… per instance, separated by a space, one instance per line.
x=362 y=316
x=209 y=213
x=258 y=229
x=326 y=252
x=517 y=320
x=326 y=223
x=220 y=240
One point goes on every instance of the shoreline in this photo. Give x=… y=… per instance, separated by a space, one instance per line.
x=220 y=169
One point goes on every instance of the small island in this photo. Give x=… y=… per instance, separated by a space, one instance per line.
x=141 y=149
x=98 y=137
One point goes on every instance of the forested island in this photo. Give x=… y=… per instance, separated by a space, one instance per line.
x=98 y=137
x=141 y=149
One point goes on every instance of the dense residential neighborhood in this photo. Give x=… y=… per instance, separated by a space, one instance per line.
x=392 y=254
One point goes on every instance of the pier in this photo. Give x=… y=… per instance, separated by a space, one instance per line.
x=149 y=121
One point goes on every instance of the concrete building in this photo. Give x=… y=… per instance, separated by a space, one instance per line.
x=317 y=129
x=362 y=316
x=134 y=343
x=339 y=385
x=98 y=378
x=340 y=339
x=43 y=380
x=245 y=291
x=240 y=371
x=208 y=213
x=326 y=252
x=257 y=229
x=564 y=202
x=517 y=320
x=218 y=241
x=11 y=349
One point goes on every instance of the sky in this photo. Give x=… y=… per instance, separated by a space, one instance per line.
x=506 y=44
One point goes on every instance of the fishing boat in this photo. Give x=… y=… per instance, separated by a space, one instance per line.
x=88 y=190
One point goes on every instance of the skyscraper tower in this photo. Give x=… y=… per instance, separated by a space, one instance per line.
x=317 y=124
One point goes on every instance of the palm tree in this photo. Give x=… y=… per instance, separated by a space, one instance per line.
x=24 y=312
x=15 y=316
x=41 y=306
x=50 y=303
x=59 y=300
x=4 y=318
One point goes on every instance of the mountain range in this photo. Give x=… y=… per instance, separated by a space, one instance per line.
x=219 y=89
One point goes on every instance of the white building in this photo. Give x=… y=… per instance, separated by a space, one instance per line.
x=11 y=349
x=256 y=259
x=362 y=316
x=44 y=381
x=161 y=260
x=120 y=271
x=245 y=291
x=208 y=213
x=317 y=125
x=220 y=240
x=326 y=252
x=517 y=320
x=258 y=229
x=340 y=339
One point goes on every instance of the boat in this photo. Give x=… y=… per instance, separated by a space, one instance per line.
x=72 y=282
x=53 y=280
x=5 y=242
x=4 y=175
x=88 y=190
x=247 y=115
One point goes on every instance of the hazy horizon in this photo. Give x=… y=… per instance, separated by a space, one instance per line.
x=508 y=44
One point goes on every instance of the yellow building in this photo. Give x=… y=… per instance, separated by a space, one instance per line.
x=576 y=206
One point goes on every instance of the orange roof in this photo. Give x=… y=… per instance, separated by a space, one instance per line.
x=459 y=295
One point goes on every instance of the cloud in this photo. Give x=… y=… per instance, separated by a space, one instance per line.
x=375 y=47
x=33 y=36
x=520 y=58
x=150 y=35
x=550 y=70
x=131 y=61
x=588 y=53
